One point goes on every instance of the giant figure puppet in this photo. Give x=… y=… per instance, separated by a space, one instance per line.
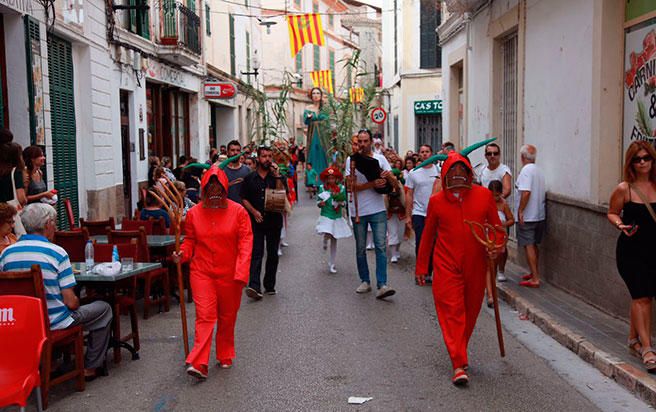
x=317 y=120
x=459 y=259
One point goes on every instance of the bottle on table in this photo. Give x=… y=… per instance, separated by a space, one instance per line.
x=88 y=256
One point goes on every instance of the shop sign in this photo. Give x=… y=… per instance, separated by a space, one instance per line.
x=640 y=84
x=166 y=74
x=220 y=90
x=21 y=6
x=428 y=106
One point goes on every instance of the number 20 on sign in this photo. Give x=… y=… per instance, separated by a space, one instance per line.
x=378 y=115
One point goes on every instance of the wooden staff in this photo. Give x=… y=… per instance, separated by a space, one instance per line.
x=490 y=242
x=354 y=192
x=173 y=202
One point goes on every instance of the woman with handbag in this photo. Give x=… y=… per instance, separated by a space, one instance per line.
x=631 y=211
x=11 y=176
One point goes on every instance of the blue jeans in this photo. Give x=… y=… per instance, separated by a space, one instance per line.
x=378 y=223
x=418 y=222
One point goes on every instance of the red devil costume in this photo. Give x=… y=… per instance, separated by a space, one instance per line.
x=218 y=242
x=459 y=261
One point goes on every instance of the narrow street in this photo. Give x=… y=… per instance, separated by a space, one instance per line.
x=316 y=343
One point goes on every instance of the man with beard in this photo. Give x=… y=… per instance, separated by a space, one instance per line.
x=266 y=225
x=218 y=243
x=459 y=261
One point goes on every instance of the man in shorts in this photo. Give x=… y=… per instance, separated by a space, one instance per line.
x=531 y=194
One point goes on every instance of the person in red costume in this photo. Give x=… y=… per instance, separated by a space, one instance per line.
x=459 y=261
x=218 y=243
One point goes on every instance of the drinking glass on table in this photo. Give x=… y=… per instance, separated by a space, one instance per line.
x=127 y=263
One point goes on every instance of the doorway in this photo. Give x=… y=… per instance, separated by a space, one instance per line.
x=428 y=130
x=126 y=150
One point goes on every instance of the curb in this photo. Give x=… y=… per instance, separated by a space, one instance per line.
x=637 y=381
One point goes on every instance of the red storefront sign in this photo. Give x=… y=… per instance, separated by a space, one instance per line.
x=219 y=90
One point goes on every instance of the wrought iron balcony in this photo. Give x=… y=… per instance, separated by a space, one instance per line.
x=180 y=36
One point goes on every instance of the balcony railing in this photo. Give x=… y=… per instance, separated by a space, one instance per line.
x=179 y=26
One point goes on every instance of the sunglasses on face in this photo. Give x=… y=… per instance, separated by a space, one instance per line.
x=491 y=153
x=638 y=159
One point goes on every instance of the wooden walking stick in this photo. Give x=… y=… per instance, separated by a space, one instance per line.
x=489 y=240
x=173 y=202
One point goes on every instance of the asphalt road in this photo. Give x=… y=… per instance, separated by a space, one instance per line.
x=317 y=342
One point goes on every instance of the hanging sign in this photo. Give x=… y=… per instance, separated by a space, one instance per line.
x=220 y=90
x=378 y=115
x=428 y=106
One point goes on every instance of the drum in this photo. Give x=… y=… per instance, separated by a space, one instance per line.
x=274 y=200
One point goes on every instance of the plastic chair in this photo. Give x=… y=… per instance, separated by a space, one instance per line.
x=98 y=227
x=126 y=236
x=128 y=224
x=22 y=337
x=73 y=243
x=124 y=299
x=30 y=283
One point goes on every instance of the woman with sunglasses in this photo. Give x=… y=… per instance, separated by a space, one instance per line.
x=495 y=170
x=631 y=211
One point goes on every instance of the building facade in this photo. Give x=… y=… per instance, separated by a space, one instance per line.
x=412 y=73
x=556 y=75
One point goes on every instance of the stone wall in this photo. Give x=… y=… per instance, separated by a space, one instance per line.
x=578 y=254
x=106 y=202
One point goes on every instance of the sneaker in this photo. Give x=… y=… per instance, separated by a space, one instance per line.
x=225 y=363
x=394 y=259
x=429 y=279
x=332 y=269
x=270 y=292
x=501 y=277
x=284 y=244
x=196 y=373
x=279 y=252
x=371 y=246
x=253 y=294
x=384 y=291
x=363 y=288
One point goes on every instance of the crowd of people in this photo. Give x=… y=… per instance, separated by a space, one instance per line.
x=238 y=201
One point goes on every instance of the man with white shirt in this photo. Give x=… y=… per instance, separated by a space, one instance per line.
x=531 y=195
x=420 y=185
x=371 y=211
x=495 y=170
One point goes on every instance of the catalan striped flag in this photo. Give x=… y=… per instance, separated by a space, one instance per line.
x=304 y=29
x=356 y=94
x=323 y=79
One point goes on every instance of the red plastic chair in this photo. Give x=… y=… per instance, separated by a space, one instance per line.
x=98 y=227
x=22 y=337
x=73 y=243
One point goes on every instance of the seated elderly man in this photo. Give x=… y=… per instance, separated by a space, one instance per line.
x=64 y=308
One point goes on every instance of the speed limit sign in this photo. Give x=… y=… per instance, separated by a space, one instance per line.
x=378 y=115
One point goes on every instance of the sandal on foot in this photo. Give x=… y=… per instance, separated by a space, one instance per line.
x=632 y=347
x=650 y=364
x=527 y=276
x=460 y=377
x=529 y=284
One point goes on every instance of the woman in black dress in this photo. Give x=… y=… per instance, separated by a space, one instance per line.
x=631 y=210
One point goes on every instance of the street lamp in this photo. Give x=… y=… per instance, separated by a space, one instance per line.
x=256 y=66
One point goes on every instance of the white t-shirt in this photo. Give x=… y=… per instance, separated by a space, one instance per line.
x=531 y=179
x=369 y=201
x=421 y=182
x=488 y=175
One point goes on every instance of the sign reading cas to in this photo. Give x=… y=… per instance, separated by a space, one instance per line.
x=378 y=115
x=428 y=106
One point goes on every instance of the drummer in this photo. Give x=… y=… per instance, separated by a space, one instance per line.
x=266 y=225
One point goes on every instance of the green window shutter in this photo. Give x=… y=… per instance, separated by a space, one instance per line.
x=331 y=61
x=298 y=3
x=62 y=122
x=208 y=20
x=144 y=20
x=299 y=67
x=317 y=57
x=33 y=34
x=315 y=7
x=191 y=5
x=331 y=20
x=233 y=68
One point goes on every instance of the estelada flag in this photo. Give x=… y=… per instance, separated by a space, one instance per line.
x=304 y=29
x=323 y=79
x=356 y=94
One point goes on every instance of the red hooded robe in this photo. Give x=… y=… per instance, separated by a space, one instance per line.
x=218 y=242
x=459 y=261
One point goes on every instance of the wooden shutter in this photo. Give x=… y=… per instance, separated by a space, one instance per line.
x=62 y=122
x=429 y=15
x=317 y=57
x=208 y=20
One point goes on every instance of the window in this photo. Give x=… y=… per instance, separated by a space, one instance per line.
x=297 y=3
x=331 y=61
x=396 y=38
x=299 y=67
x=138 y=19
x=233 y=68
x=331 y=20
x=317 y=57
x=430 y=55
x=208 y=20
x=315 y=7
